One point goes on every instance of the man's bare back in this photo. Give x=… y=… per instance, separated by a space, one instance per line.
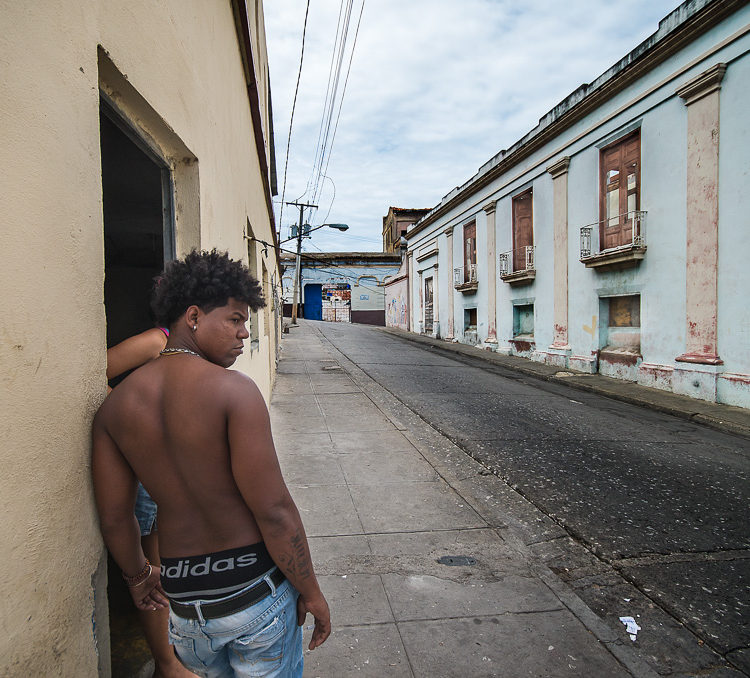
x=179 y=450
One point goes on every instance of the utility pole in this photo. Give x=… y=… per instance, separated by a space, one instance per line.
x=298 y=269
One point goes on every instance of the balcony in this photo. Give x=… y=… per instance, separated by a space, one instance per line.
x=517 y=266
x=465 y=281
x=622 y=256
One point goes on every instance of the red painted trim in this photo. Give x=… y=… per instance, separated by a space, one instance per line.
x=739 y=378
x=700 y=359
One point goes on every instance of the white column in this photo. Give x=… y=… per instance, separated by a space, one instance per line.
x=696 y=371
x=435 y=306
x=449 y=286
x=559 y=172
x=489 y=210
x=410 y=298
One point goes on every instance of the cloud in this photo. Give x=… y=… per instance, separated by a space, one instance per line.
x=437 y=87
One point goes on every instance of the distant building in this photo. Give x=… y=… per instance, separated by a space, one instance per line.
x=614 y=236
x=397 y=297
x=340 y=286
x=396 y=223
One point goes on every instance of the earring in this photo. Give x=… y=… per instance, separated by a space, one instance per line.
x=195 y=327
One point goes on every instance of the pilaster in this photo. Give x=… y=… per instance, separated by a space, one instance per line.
x=701 y=97
x=449 y=287
x=409 y=278
x=491 y=341
x=560 y=349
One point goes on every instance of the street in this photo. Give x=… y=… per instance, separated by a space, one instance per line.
x=642 y=514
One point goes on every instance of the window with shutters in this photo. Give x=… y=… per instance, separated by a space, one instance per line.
x=523 y=231
x=428 y=305
x=470 y=252
x=619 y=195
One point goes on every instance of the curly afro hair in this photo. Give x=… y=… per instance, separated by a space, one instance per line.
x=204 y=279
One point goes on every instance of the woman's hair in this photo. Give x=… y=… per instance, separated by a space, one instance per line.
x=206 y=280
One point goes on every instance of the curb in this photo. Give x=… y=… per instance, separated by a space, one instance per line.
x=725 y=418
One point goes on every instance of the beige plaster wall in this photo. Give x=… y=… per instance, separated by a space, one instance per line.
x=181 y=76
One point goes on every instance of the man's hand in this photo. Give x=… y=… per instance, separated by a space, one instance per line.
x=149 y=595
x=318 y=608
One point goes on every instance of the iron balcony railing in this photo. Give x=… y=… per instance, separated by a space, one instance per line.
x=524 y=255
x=590 y=233
x=460 y=279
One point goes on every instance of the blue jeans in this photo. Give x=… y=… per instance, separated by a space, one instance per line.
x=145 y=511
x=261 y=640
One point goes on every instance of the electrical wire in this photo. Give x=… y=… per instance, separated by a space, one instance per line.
x=339 y=51
x=325 y=104
x=291 y=118
x=343 y=93
x=314 y=259
x=325 y=220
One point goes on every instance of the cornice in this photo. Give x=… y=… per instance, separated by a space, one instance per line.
x=702 y=85
x=490 y=207
x=670 y=45
x=557 y=169
x=449 y=231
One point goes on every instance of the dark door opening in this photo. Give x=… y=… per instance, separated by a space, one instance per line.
x=138 y=237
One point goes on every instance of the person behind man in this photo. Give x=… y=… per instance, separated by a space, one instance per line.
x=235 y=563
x=122 y=358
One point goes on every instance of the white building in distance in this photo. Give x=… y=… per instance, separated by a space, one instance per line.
x=614 y=236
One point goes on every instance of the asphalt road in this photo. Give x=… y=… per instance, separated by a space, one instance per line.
x=661 y=502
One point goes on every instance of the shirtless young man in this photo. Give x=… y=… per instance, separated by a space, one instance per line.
x=235 y=563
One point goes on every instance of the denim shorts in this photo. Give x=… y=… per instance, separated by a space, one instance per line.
x=261 y=640
x=145 y=511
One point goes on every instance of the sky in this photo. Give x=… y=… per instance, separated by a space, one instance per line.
x=436 y=88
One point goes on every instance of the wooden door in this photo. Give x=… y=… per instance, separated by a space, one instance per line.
x=428 y=311
x=470 y=249
x=523 y=228
x=619 y=192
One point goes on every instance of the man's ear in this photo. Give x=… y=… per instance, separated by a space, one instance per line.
x=191 y=316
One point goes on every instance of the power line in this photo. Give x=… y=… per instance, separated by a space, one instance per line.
x=332 y=199
x=343 y=93
x=325 y=104
x=339 y=50
x=291 y=118
x=313 y=259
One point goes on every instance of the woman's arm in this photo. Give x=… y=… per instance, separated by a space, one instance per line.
x=134 y=351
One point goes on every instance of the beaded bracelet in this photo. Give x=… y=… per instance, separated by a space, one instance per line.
x=139 y=578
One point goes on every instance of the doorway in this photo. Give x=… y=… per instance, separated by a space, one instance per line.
x=138 y=238
x=428 y=310
x=313 y=308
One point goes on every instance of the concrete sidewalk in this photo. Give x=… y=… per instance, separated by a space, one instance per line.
x=383 y=498
x=721 y=417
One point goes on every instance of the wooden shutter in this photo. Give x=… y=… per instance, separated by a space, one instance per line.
x=523 y=228
x=428 y=311
x=619 y=196
x=470 y=248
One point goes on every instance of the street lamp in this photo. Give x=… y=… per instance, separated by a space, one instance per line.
x=302 y=232
x=298 y=269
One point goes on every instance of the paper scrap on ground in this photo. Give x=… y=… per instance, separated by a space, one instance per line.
x=631 y=627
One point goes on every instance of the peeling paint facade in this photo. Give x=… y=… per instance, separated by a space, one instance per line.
x=613 y=237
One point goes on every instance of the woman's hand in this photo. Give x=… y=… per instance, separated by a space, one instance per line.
x=149 y=595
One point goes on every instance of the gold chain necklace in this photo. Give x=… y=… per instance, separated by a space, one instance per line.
x=174 y=351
